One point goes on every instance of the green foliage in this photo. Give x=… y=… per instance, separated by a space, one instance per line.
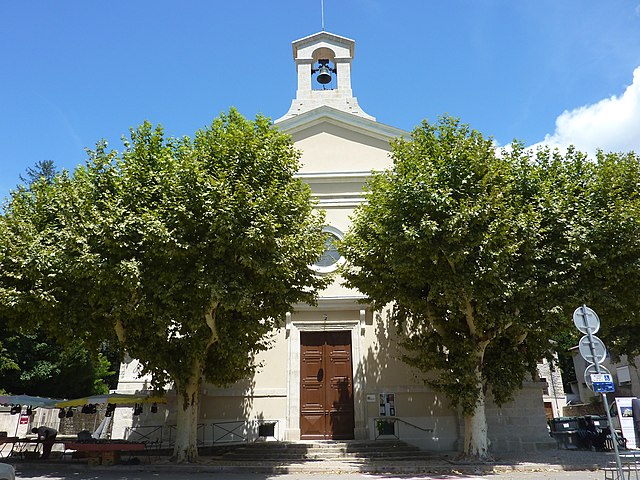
x=594 y=207
x=44 y=170
x=564 y=342
x=103 y=373
x=187 y=252
x=8 y=364
x=485 y=256
x=36 y=365
x=607 y=240
x=451 y=235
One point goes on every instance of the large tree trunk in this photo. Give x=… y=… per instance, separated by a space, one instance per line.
x=186 y=446
x=475 y=432
x=476 y=444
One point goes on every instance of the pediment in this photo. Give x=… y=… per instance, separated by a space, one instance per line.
x=335 y=141
x=301 y=47
x=326 y=114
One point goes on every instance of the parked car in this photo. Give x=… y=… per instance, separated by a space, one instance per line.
x=7 y=472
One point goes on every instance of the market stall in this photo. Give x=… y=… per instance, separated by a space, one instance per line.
x=24 y=412
x=103 y=452
x=94 y=445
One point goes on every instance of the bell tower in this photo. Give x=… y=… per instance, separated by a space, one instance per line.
x=323 y=62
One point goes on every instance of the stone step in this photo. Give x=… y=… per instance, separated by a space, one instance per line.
x=326 y=456
x=321 y=453
x=353 y=451
x=330 y=445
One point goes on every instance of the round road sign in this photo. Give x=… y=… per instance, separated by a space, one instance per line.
x=599 y=350
x=586 y=320
x=592 y=369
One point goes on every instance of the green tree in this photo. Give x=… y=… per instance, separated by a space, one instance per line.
x=189 y=252
x=8 y=365
x=44 y=169
x=34 y=364
x=605 y=241
x=481 y=257
x=37 y=365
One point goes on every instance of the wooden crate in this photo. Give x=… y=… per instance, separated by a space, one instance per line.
x=110 y=457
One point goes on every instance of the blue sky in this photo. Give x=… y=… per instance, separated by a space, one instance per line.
x=73 y=72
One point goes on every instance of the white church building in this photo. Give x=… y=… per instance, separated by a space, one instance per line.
x=334 y=370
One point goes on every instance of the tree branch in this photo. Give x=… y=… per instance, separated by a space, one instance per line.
x=468 y=313
x=520 y=338
x=210 y=318
x=451 y=264
x=120 y=331
x=434 y=323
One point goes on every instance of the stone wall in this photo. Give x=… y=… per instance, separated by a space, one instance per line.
x=82 y=421
x=520 y=425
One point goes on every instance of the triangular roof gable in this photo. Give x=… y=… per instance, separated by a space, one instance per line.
x=334 y=142
x=331 y=38
x=341 y=119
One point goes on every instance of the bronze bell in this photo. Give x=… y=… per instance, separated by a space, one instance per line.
x=324 y=75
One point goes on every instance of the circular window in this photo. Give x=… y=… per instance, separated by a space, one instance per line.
x=331 y=257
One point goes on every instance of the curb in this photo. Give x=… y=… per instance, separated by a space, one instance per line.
x=317 y=467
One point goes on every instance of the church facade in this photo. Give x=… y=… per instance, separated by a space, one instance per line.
x=334 y=372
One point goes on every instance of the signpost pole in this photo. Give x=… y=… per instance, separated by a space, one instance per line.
x=605 y=401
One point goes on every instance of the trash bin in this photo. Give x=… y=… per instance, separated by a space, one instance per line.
x=565 y=431
x=266 y=429
x=599 y=421
x=604 y=440
x=563 y=424
x=594 y=433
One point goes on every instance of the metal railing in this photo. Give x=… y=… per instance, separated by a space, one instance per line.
x=200 y=434
x=215 y=433
x=244 y=430
x=144 y=434
x=230 y=432
x=385 y=426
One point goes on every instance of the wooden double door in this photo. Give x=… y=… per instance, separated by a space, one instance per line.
x=326 y=386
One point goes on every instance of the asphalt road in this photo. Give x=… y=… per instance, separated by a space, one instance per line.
x=38 y=474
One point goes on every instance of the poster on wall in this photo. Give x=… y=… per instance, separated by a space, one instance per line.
x=387 y=405
x=625 y=414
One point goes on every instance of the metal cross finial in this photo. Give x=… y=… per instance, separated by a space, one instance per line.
x=322 y=8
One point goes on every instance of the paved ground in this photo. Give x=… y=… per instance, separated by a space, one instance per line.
x=120 y=475
x=542 y=465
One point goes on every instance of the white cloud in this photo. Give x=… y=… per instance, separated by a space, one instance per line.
x=612 y=124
